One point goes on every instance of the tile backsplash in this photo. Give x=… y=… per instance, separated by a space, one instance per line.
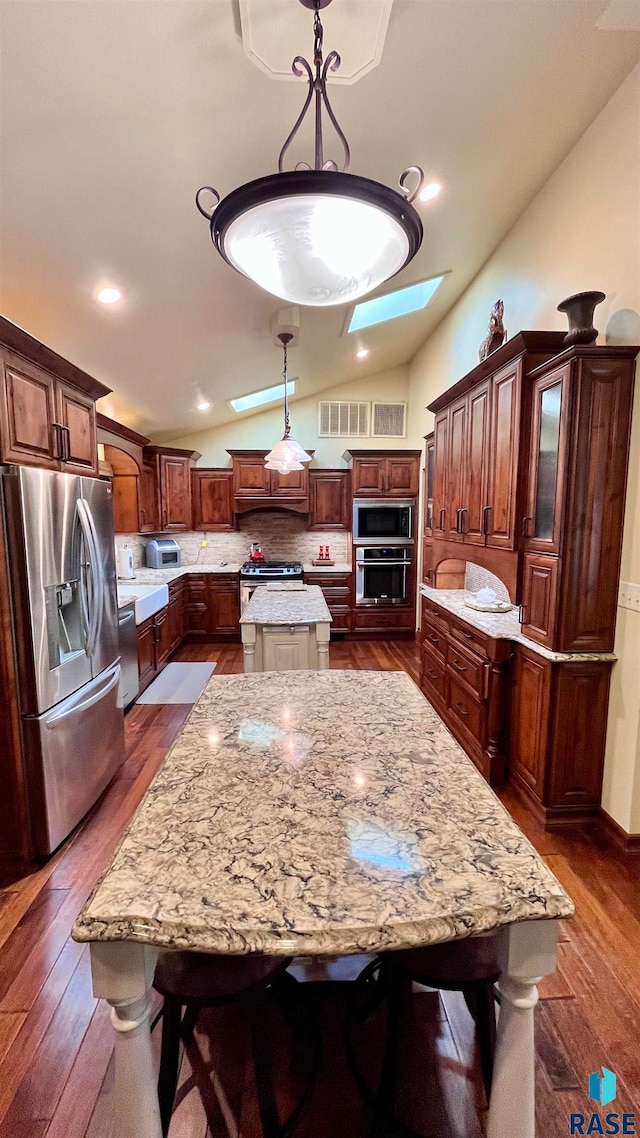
x=283 y=537
x=476 y=577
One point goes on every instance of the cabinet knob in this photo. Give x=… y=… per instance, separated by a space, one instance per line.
x=58 y=447
x=485 y=521
x=522 y=614
x=442 y=516
x=460 y=519
x=525 y=525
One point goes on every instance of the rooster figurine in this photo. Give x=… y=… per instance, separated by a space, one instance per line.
x=496 y=334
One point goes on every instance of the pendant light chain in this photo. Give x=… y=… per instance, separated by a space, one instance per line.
x=287 y=424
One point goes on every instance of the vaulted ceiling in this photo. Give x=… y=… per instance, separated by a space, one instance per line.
x=112 y=114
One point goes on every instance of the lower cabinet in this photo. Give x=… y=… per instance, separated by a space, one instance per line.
x=337 y=589
x=558 y=733
x=177 y=608
x=213 y=604
x=464 y=674
x=154 y=646
x=286 y=649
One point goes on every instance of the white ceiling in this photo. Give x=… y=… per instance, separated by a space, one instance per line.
x=113 y=113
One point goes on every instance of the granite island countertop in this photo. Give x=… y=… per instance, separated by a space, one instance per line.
x=286 y=606
x=315 y=812
x=500 y=625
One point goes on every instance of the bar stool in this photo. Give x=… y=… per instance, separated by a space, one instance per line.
x=469 y=966
x=192 y=981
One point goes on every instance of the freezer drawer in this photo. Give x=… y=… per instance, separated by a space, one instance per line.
x=73 y=752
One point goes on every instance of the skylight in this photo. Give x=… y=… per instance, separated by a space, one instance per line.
x=393 y=304
x=257 y=398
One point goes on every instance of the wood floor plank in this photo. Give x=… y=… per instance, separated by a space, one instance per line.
x=43 y=1083
x=28 y=935
x=20 y=1055
x=10 y=1025
x=82 y=1088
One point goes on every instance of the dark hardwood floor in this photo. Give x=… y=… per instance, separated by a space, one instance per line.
x=56 y=1041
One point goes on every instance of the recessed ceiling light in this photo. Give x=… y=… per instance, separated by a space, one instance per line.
x=393 y=304
x=257 y=398
x=204 y=406
x=362 y=353
x=108 y=295
x=429 y=192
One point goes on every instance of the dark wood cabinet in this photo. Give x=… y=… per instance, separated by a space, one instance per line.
x=146 y=653
x=256 y=487
x=45 y=421
x=428 y=488
x=329 y=499
x=77 y=417
x=197 y=605
x=162 y=633
x=475 y=514
x=175 y=492
x=384 y=474
x=558 y=733
x=337 y=589
x=177 y=629
x=456 y=462
x=464 y=674
x=148 y=499
x=212 y=493
x=503 y=456
x=440 y=452
x=224 y=605
x=539 y=598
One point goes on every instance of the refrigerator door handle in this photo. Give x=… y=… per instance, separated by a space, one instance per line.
x=99 y=582
x=91 y=589
x=86 y=703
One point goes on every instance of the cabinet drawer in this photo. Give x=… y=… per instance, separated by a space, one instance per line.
x=370 y=618
x=435 y=640
x=176 y=588
x=339 y=593
x=329 y=581
x=467 y=668
x=432 y=675
x=468 y=636
x=341 y=615
x=434 y=615
x=466 y=710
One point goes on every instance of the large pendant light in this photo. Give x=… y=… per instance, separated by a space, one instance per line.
x=317 y=236
x=287 y=455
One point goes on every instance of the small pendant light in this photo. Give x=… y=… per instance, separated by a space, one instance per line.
x=287 y=455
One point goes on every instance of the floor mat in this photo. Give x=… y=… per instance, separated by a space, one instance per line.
x=178 y=683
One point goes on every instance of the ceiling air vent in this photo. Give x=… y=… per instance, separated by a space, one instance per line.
x=343 y=420
x=389 y=421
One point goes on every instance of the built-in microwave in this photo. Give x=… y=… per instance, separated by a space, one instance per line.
x=385 y=520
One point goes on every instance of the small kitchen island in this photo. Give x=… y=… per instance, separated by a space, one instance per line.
x=286 y=627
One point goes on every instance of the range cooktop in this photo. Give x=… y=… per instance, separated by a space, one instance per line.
x=271 y=569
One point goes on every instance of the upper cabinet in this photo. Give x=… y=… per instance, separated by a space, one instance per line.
x=47 y=407
x=477 y=433
x=152 y=492
x=329 y=499
x=212 y=494
x=255 y=487
x=384 y=474
x=530 y=469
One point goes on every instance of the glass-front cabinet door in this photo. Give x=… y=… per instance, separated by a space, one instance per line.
x=541 y=524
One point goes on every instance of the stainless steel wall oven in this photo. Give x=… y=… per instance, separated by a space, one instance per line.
x=382 y=575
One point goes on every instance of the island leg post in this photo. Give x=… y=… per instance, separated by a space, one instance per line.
x=122 y=974
x=323 y=636
x=529 y=953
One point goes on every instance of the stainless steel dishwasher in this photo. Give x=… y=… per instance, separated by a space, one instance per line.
x=128 y=641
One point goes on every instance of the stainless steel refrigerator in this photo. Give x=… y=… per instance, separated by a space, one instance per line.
x=65 y=635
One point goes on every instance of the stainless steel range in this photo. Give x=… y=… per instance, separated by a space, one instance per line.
x=254 y=573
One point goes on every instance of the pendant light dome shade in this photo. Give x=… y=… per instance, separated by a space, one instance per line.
x=316 y=235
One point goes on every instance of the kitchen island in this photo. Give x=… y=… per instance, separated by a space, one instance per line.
x=286 y=627
x=381 y=835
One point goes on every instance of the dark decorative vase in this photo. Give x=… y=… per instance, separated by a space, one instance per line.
x=579 y=309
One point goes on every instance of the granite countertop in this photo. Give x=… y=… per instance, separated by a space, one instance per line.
x=123 y=601
x=145 y=576
x=285 y=606
x=500 y=625
x=315 y=812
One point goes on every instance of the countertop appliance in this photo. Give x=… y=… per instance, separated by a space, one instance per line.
x=388 y=521
x=254 y=573
x=124 y=562
x=163 y=553
x=382 y=575
x=65 y=634
x=128 y=645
